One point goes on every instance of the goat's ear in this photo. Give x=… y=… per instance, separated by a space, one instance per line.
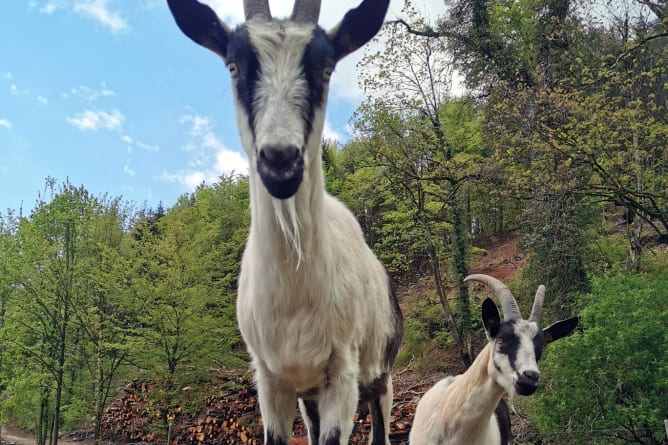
x=560 y=329
x=490 y=318
x=201 y=24
x=358 y=26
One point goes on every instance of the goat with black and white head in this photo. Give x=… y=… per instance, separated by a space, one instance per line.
x=469 y=409
x=314 y=306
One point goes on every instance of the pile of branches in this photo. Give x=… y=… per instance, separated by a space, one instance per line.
x=127 y=419
x=231 y=416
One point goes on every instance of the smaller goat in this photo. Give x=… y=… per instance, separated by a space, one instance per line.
x=469 y=409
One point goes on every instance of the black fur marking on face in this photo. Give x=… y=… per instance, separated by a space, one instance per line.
x=241 y=52
x=318 y=56
x=508 y=343
x=539 y=344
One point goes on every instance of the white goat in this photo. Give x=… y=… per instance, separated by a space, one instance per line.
x=468 y=409
x=315 y=306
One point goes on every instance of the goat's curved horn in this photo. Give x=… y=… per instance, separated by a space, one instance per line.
x=538 y=301
x=257 y=8
x=306 y=11
x=511 y=311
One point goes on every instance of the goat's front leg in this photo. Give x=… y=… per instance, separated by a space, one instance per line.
x=336 y=408
x=380 y=407
x=277 y=406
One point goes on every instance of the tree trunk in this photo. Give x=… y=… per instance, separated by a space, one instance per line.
x=55 y=428
x=436 y=268
x=459 y=252
x=43 y=424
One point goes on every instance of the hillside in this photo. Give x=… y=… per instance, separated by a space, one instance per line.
x=231 y=415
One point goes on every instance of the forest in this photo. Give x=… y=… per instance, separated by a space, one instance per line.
x=557 y=136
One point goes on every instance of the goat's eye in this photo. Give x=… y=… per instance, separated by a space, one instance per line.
x=327 y=73
x=234 y=70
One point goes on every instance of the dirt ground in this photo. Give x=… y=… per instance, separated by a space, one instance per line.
x=15 y=436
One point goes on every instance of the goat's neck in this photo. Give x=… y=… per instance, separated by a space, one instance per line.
x=304 y=211
x=476 y=393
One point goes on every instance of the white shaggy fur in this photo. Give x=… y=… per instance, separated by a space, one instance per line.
x=460 y=410
x=314 y=305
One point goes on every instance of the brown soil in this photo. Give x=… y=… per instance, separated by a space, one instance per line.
x=501 y=259
x=12 y=435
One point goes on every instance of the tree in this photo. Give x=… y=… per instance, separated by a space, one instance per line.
x=403 y=125
x=48 y=278
x=184 y=268
x=610 y=381
x=104 y=321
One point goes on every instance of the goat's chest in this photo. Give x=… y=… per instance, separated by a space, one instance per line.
x=488 y=434
x=293 y=328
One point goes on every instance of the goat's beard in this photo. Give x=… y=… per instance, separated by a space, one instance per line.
x=287 y=218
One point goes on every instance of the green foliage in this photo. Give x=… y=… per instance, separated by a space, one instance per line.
x=184 y=266
x=610 y=381
x=424 y=330
x=23 y=395
x=557 y=234
x=93 y=294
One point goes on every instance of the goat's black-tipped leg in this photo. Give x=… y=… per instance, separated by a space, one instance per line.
x=309 y=409
x=377 y=423
x=273 y=439
x=379 y=397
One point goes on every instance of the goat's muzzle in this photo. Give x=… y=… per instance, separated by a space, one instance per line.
x=527 y=382
x=281 y=169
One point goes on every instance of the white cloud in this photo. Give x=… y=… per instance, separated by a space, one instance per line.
x=17 y=91
x=199 y=124
x=132 y=143
x=127 y=169
x=209 y=156
x=51 y=6
x=14 y=90
x=89 y=94
x=94 y=120
x=344 y=84
x=99 y=11
x=331 y=12
x=330 y=133
x=226 y=160
x=147 y=147
x=5 y=123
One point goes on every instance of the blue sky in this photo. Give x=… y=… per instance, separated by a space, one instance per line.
x=110 y=95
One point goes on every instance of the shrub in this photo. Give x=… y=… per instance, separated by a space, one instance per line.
x=609 y=382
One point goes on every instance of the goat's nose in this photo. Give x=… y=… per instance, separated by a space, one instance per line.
x=532 y=376
x=281 y=168
x=280 y=156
